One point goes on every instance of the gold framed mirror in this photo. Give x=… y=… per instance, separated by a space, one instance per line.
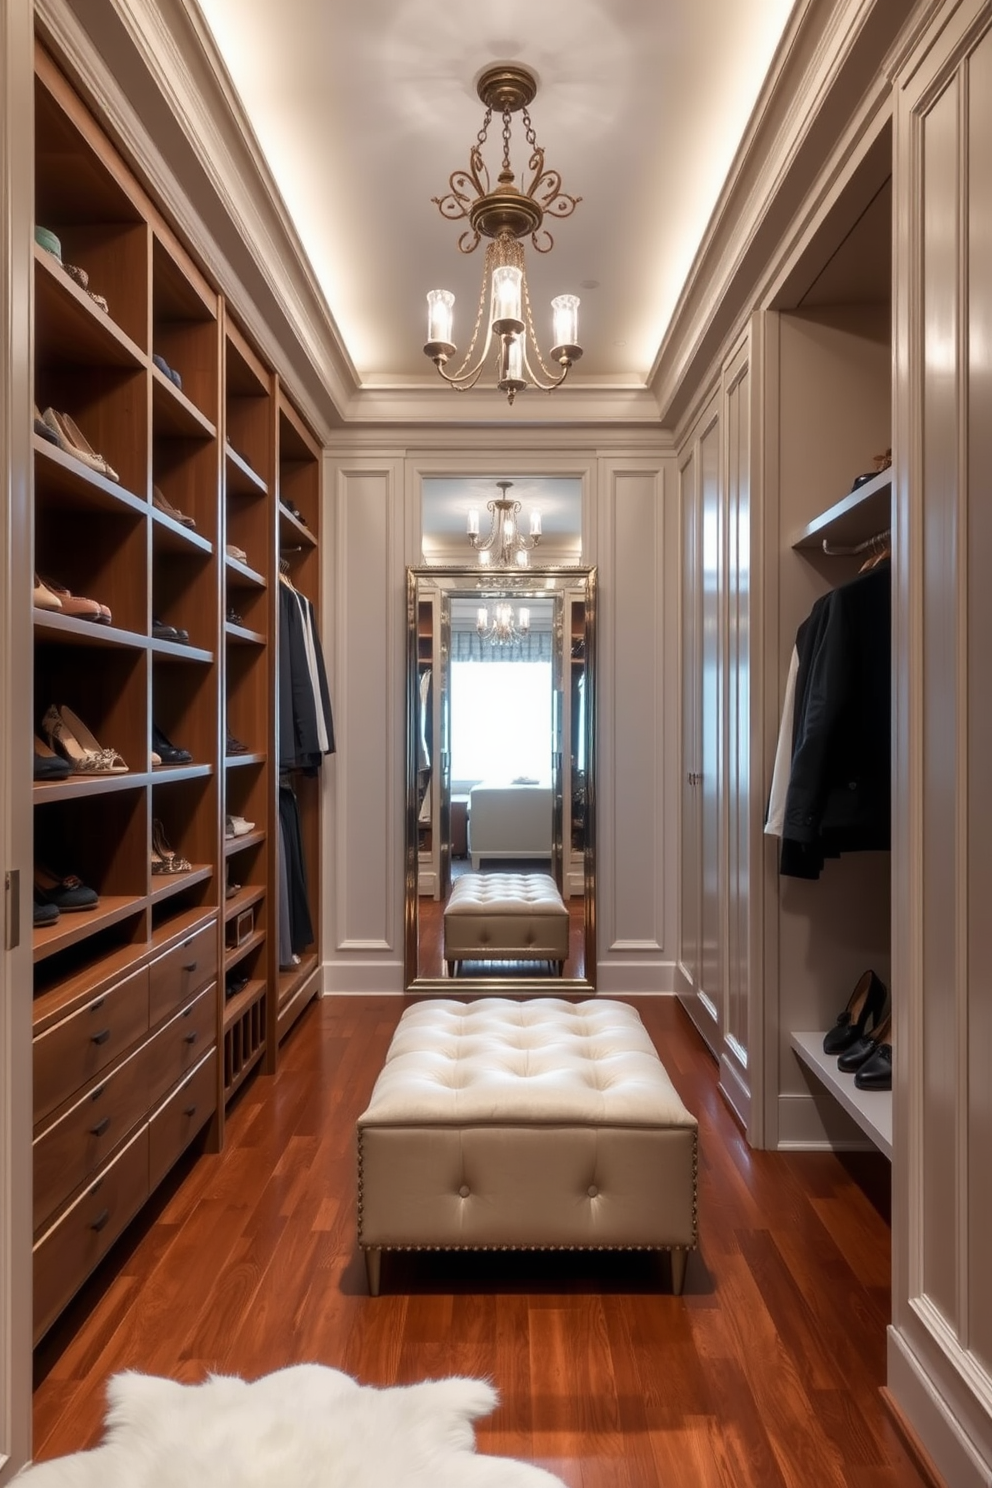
x=500 y=874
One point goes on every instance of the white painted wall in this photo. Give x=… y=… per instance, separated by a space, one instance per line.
x=630 y=532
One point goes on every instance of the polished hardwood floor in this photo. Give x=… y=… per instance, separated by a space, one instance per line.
x=766 y=1372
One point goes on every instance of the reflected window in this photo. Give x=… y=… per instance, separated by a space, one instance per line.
x=500 y=721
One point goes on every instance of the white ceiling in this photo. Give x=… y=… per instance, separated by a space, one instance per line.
x=364 y=108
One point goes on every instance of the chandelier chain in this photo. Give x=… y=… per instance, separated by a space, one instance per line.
x=530 y=134
x=483 y=133
x=506 y=139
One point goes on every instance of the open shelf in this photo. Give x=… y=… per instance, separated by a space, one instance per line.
x=859 y=515
x=76 y=787
x=164 y=885
x=871 y=1109
x=69 y=929
x=234 y=845
x=242 y=1001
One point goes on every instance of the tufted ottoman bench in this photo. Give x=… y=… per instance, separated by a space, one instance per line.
x=505 y=917
x=537 y=1125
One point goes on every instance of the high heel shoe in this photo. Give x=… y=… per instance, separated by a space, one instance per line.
x=861 y=1051
x=70 y=737
x=876 y=1072
x=867 y=1006
x=170 y=860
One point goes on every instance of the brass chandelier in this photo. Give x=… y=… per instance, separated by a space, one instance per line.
x=506 y=216
x=504 y=544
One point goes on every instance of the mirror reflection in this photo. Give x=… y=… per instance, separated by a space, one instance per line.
x=500 y=879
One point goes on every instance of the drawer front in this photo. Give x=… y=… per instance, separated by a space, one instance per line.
x=68 y=1152
x=75 y=1050
x=68 y=1252
x=175 y=1124
x=175 y=977
x=178 y=1047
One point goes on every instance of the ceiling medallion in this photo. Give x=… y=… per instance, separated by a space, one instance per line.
x=505 y=215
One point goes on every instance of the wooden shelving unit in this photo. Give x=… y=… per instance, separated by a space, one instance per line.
x=858 y=516
x=168 y=389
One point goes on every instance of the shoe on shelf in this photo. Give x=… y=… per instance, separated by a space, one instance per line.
x=163 y=632
x=235 y=983
x=48 y=240
x=238 y=554
x=230 y=889
x=876 y=1072
x=42 y=429
x=236 y=826
x=67 y=893
x=44 y=598
x=232 y=617
x=162 y=504
x=44 y=913
x=77 y=606
x=864 y=1048
x=47 y=764
x=235 y=746
x=166 y=370
x=164 y=858
x=294 y=511
x=865 y=1010
x=69 y=737
x=168 y=753
x=73 y=441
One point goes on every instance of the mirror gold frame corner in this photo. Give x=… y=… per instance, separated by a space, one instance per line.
x=429 y=593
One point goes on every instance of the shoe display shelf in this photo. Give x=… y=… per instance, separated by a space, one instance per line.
x=166 y=455
x=249 y=717
x=298 y=506
x=871 y=1109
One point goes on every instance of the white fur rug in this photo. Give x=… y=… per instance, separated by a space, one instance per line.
x=303 y=1427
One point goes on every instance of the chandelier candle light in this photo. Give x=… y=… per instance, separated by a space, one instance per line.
x=504 y=545
x=505 y=215
x=505 y=627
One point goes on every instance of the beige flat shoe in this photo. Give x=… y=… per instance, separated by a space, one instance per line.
x=43 y=597
x=73 y=441
x=76 y=605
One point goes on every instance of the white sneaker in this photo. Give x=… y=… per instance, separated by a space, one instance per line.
x=237 y=826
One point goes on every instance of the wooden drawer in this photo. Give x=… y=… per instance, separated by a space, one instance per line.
x=85 y=1135
x=181 y=1044
x=181 y=972
x=72 y=1052
x=67 y=1253
x=177 y=1122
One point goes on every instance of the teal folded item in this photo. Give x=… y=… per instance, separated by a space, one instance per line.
x=46 y=239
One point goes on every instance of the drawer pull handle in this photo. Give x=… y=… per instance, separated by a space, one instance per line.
x=95 y=1007
x=100 y=1128
x=100 y=1220
x=96 y=1094
x=190 y=1110
x=191 y=1037
x=101 y=1037
x=189 y=965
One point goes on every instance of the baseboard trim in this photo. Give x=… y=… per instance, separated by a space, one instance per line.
x=355 y=978
x=936 y=1440
x=635 y=979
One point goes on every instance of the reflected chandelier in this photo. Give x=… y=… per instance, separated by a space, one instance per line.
x=505 y=628
x=504 y=545
x=505 y=215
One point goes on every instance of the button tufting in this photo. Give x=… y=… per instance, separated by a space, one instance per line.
x=464 y=1191
x=593 y=1190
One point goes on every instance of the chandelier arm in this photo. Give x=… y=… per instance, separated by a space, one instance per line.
x=553 y=379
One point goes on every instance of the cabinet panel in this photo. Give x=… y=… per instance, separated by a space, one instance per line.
x=178 y=1046
x=182 y=971
x=67 y=1056
x=81 y=1139
x=176 y=1123
x=68 y=1252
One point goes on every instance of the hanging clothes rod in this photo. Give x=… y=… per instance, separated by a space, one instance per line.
x=871 y=544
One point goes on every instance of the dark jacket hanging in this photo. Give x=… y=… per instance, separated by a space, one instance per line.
x=299 y=739
x=840 y=777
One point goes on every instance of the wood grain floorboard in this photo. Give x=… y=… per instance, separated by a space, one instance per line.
x=764 y=1374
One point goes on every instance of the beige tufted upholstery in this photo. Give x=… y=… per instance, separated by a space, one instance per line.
x=503 y=917
x=525 y=1125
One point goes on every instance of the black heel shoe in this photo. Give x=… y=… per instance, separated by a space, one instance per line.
x=876 y=1072
x=867 y=1004
x=864 y=1048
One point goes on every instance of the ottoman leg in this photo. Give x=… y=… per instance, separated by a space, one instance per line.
x=373 y=1268
x=679 y=1257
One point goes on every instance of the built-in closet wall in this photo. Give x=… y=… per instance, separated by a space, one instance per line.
x=630 y=532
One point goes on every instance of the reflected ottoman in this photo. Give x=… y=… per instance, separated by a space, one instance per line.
x=536 y=1125
x=505 y=917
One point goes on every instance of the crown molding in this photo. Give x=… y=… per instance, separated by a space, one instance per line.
x=442 y=448
x=199 y=159
x=830 y=64
x=487 y=407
